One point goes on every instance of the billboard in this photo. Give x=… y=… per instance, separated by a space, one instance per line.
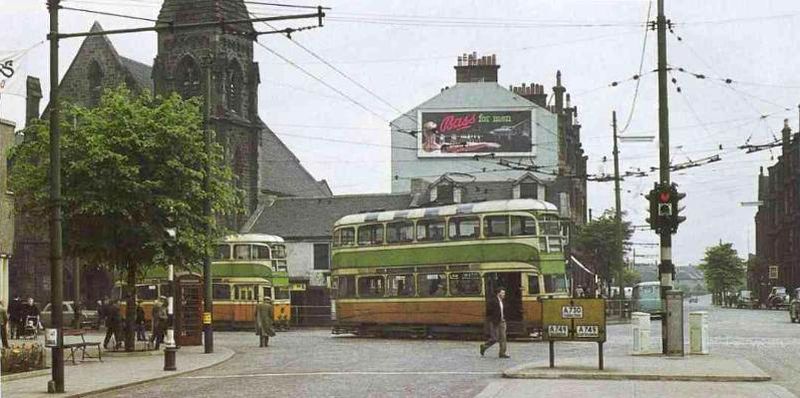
x=469 y=133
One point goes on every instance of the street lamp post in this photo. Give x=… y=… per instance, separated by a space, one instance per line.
x=170 y=350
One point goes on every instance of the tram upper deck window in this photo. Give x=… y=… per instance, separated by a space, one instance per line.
x=400 y=232
x=371 y=286
x=464 y=227
x=261 y=252
x=431 y=285
x=222 y=252
x=278 y=251
x=400 y=285
x=556 y=283
x=549 y=225
x=146 y=292
x=370 y=235
x=241 y=252
x=495 y=226
x=430 y=230
x=523 y=226
x=345 y=286
x=221 y=291
x=465 y=284
x=533 y=285
x=348 y=236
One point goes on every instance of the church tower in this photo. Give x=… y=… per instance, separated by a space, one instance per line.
x=182 y=62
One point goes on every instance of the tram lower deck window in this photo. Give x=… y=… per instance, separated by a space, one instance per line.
x=400 y=285
x=431 y=285
x=221 y=291
x=533 y=285
x=371 y=286
x=465 y=284
x=345 y=286
x=555 y=283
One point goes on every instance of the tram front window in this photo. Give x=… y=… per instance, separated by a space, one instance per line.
x=279 y=251
x=222 y=252
x=533 y=285
x=555 y=283
x=241 y=252
x=261 y=252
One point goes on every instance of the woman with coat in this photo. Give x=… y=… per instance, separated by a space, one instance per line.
x=264 y=316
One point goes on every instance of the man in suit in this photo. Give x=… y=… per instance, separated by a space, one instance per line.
x=264 y=315
x=495 y=316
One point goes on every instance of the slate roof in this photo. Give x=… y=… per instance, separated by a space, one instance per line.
x=280 y=170
x=141 y=73
x=297 y=218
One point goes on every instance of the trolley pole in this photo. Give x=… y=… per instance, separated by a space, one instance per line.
x=208 y=306
x=56 y=385
x=170 y=350
x=666 y=269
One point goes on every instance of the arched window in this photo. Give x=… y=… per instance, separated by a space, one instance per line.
x=95 y=78
x=188 y=78
x=239 y=165
x=234 y=87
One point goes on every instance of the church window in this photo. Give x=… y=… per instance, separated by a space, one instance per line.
x=234 y=88
x=188 y=81
x=95 y=78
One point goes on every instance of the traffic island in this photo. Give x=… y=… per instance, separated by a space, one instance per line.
x=646 y=368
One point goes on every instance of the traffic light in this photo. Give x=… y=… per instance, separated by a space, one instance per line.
x=675 y=217
x=665 y=208
x=655 y=220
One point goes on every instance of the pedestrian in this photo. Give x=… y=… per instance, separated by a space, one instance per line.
x=30 y=313
x=101 y=314
x=15 y=316
x=496 y=319
x=3 y=324
x=264 y=315
x=112 y=325
x=579 y=291
x=140 y=322
x=159 y=322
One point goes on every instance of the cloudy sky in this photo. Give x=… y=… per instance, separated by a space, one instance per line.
x=404 y=52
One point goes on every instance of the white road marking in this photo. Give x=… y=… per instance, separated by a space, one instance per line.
x=354 y=373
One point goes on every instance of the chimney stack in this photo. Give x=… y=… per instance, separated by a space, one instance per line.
x=471 y=68
x=33 y=95
x=533 y=93
x=786 y=135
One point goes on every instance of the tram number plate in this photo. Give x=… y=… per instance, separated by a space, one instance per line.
x=558 y=330
x=572 y=312
x=589 y=331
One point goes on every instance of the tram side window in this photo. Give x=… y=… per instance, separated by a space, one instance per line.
x=555 y=283
x=523 y=226
x=465 y=284
x=223 y=252
x=549 y=225
x=432 y=285
x=400 y=232
x=146 y=292
x=241 y=252
x=533 y=285
x=370 y=235
x=400 y=285
x=278 y=251
x=348 y=236
x=245 y=292
x=430 y=230
x=495 y=226
x=345 y=286
x=371 y=286
x=464 y=227
x=261 y=252
x=221 y=291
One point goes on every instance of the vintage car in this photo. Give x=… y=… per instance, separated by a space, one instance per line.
x=794 y=306
x=778 y=298
x=745 y=299
x=88 y=317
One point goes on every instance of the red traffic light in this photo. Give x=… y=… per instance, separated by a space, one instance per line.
x=663 y=197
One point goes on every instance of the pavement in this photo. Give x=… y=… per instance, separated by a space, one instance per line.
x=94 y=377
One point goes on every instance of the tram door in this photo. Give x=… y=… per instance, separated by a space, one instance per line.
x=512 y=305
x=189 y=311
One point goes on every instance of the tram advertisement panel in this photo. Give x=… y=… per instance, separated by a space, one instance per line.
x=467 y=133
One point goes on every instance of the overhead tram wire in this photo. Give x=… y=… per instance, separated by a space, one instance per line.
x=111 y=14
x=641 y=66
x=261 y=3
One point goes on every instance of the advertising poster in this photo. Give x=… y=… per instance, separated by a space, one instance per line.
x=461 y=133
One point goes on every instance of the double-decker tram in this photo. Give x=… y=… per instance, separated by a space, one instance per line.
x=431 y=271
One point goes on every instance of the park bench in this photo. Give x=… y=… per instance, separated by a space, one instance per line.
x=81 y=345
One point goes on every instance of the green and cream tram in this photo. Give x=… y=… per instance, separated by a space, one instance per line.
x=429 y=271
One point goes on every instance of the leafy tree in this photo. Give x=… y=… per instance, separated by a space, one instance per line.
x=131 y=168
x=602 y=243
x=724 y=270
x=630 y=277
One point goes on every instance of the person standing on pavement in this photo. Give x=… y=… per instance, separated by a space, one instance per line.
x=264 y=315
x=15 y=316
x=496 y=319
x=140 y=322
x=159 y=323
x=30 y=310
x=112 y=325
x=3 y=324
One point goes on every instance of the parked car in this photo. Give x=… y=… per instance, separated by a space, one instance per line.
x=794 y=306
x=88 y=317
x=778 y=298
x=745 y=299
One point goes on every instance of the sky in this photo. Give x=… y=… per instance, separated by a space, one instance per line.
x=404 y=52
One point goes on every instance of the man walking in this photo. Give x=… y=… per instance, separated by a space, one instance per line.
x=113 y=320
x=497 y=323
x=3 y=324
x=264 y=316
x=15 y=316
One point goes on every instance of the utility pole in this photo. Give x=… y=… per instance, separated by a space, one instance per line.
x=618 y=203
x=56 y=385
x=208 y=305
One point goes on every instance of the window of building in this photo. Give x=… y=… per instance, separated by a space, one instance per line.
x=222 y=252
x=241 y=252
x=234 y=89
x=495 y=226
x=464 y=227
x=432 y=285
x=400 y=232
x=549 y=225
x=430 y=230
x=533 y=285
x=348 y=236
x=370 y=235
x=261 y=252
x=221 y=291
x=400 y=285
x=188 y=78
x=95 y=77
x=555 y=283
x=523 y=226
x=371 y=286
x=444 y=193
x=344 y=286
x=465 y=284
x=322 y=256
x=529 y=190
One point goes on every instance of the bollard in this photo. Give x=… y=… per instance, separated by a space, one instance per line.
x=698 y=333
x=640 y=321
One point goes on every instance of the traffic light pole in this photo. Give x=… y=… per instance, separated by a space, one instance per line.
x=618 y=206
x=665 y=269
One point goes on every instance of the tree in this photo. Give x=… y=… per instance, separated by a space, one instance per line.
x=724 y=270
x=598 y=241
x=131 y=168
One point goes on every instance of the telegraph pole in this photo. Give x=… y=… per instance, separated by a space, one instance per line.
x=618 y=204
x=56 y=385
x=208 y=305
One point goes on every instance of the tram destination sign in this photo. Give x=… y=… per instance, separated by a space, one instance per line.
x=467 y=133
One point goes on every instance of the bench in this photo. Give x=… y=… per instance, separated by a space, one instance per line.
x=80 y=345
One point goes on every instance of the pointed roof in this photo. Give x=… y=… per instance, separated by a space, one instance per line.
x=195 y=11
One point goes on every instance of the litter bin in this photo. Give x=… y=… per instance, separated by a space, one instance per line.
x=640 y=321
x=698 y=332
